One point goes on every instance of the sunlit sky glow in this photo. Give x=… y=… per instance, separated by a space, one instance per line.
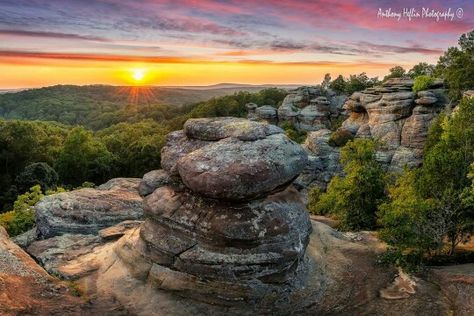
x=201 y=42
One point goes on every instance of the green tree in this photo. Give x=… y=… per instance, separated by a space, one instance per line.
x=354 y=197
x=136 y=146
x=436 y=196
x=23 y=143
x=359 y=82
x=84 y=158
x=456 y=66
x=405 y=219
x=338 y=84
x=395 y=72
x=37 y=173
x=421 y=69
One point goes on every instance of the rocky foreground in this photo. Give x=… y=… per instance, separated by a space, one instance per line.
x=219 y=231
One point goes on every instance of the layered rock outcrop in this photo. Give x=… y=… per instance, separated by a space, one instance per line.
x=391 y=114
x=234 y=229
x=308 y=108
x=397 y=117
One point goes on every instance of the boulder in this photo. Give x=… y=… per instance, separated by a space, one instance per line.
x=237 y=230
x=25 y=239
x=238 y=170
x=155 y=179
x=86 y=211
x=214 y=129
x=267 y=113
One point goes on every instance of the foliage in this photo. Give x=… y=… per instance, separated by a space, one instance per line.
x=135 y=146
x=84 y=158
x=395 y=72
x=326 y=81
x=340 y=137
x=98 y=106
x=338 y=84
x=21 y=144
x=354 y=197
x=359 y=83
x=293 y=133
x=404 y=218
x=430 y=209
x=75 y=289
x=314 y=195
x=37 y=173
x=352 y=84
x=422 y=83
x=410 y=262
x=22 y=217
x=456 y=66
x=421 y=69
x=234 y=105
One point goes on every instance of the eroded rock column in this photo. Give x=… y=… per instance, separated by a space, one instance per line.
x=222 y=223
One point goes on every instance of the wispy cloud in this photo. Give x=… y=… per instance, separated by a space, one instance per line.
x=54 y=35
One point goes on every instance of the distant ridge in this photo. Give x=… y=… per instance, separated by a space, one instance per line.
x=225 y=85
x=236 y=85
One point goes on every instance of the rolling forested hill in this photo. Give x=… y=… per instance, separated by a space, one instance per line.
x=99 y=106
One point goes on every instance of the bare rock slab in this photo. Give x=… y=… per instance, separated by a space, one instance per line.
x=86 y=211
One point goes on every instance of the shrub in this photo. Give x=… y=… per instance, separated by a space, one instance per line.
x=314 y=195
x=354 y=198
x=422 y=83
x=293 y=133
x=340 y=137
x=22 y=217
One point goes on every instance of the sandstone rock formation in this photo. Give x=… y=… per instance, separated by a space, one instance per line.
x=392 y=114
x=308 y=108
x=235 y=229
x=86 y=211
x=396 y=117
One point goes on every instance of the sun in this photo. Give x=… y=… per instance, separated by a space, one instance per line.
x=138 y=74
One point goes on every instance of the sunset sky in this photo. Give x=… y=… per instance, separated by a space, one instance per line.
x=206 y=42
